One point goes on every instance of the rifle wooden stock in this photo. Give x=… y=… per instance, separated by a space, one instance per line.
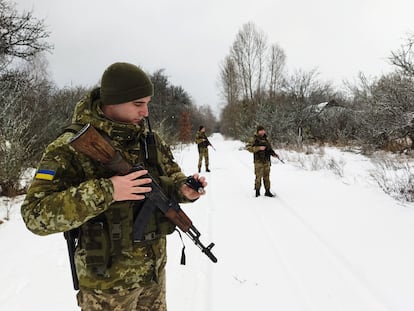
x=89 y=142
x=179 y=218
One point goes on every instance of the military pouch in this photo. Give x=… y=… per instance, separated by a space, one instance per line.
x=95 y=241
x=165 y=226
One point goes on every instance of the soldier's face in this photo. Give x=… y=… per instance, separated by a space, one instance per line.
x=261 y=132
x=130 y=112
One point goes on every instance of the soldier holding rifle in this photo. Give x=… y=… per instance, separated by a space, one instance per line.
x=74 y=192
x=202 y=145
x=262 y=150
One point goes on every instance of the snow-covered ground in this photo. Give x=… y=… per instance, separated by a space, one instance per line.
x=327 y=242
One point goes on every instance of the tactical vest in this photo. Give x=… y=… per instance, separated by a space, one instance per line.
x=106 y=235
x=262 y=155
x=204 y=143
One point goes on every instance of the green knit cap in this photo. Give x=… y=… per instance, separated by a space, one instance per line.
x=124 y=82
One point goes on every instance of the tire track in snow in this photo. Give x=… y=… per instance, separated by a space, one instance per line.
x=358 y=289
x=216 y=198
x=283 y=261
x=240 y=172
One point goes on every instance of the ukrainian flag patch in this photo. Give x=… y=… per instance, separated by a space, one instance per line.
x=45 y=174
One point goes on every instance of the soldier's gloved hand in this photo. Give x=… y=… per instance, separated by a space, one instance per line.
x=192 y=194
x=131 y=186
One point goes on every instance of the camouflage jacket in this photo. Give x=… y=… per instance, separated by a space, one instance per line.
x=254 y=145
x=201 y=140
x=70 y=190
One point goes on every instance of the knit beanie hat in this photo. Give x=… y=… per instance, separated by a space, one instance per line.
x=124 y=82
x=259 y=128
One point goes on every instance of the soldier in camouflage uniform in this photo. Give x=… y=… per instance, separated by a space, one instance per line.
x=262 y=150
x=202 y=144
x=70 y=190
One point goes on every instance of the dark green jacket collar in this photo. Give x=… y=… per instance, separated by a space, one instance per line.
x=88 y=110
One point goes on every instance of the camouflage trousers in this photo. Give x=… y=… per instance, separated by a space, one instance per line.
x=262 y=171
x=149 y=298
x=202 y=153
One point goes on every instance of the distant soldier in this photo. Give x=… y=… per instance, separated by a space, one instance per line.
x=262 y=150
x=202 y=143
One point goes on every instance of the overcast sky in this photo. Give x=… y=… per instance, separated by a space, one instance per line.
x=190 y=38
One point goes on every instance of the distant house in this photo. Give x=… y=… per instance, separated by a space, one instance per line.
x=323 y=110
x=324 y=107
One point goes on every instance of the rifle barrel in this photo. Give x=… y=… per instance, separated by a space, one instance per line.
x=194 y=235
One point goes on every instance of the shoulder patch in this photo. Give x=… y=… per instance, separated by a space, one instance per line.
x=45 y=174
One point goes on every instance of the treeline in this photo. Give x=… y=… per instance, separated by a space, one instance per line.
x=255 y=85
x=299 y=107
x=34 y=110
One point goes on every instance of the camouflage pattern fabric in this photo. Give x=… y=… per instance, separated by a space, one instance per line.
x=150 y=298
x=71 y=190
x=203 y=154
x=254 y=144
x=262 y=171
x=202 y=145
x=201 y=139
x=261 y=159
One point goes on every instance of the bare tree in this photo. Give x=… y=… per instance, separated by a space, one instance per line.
x=249 y=75
x=248 y=52
x=230 y=89
x=203 y=115
x=403 y=58
x=277 y=62
x=19 y=107
x=21 y=34
x=384 y=108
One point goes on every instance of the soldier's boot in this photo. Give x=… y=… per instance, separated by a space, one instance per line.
x=257 y=192
x=199 y=169
x=207 y=170
x=269 y=194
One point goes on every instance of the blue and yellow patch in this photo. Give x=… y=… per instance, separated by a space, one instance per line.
x=45 y=174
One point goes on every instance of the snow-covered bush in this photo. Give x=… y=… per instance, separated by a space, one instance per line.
x=395 y=176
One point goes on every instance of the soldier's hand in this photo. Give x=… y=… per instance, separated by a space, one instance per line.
x=262 y=147
x=131 y=186
x=190 y=193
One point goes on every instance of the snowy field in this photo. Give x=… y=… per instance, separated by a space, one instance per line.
x=327 y=242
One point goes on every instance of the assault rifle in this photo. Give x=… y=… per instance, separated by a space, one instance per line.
x=277 y=156
x=205 y=143
x=89 y=142
x=210 y=144
x=271 y=152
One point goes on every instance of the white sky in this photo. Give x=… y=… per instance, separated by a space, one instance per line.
x=190 y=38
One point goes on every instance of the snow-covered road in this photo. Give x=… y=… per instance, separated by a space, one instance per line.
x=325 y=243
x=321 y=244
